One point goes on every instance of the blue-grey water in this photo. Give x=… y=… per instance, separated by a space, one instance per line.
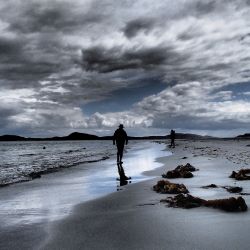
x=19 y=159
x=54 y=195
x=27 y=209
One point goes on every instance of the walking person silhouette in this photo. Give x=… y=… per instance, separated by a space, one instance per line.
x=172 y=138
x=119 y=139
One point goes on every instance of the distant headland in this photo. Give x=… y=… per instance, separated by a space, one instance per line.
x=82 y=136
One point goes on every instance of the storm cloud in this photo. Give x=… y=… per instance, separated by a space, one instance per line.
x=102 y=60
x=133 y=27
x=58 y=57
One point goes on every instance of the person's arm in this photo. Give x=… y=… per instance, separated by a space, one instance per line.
x=126 y=138
x=114 y=138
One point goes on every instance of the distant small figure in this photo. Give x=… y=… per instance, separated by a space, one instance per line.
x=172 y=138
x=119 y=139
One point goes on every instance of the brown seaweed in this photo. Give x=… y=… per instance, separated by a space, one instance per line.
x=166 y=187
x=181 y=171
x=231 y=204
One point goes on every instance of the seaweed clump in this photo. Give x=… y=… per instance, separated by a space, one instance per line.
x=241 y=175
x=181 y=171
x=231 y=204
x=166 y=187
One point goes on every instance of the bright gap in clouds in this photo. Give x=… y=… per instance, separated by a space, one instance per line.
x=124 y=99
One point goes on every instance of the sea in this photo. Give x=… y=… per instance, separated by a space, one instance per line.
x=71 y=172
x=20 y=160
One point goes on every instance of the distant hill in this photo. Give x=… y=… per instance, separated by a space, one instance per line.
x=78 y=136
x=12 y=138
x=245 y=136
x=82 y=136
x=71 y=137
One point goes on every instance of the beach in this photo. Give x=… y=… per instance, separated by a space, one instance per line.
x=29 y=209
x=134 y=217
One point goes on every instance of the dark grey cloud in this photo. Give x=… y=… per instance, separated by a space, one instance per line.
x=107 y=60
x=205 y=7
x=4 y=113
x=9 y=47
x=133 y=27
x=54 y=17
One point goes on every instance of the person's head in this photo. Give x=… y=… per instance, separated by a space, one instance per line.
x=121 y=126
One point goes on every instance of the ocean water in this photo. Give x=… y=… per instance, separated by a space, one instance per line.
x=20 y=159
x=54 y=195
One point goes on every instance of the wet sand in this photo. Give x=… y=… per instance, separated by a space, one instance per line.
x=134 y=218
x=29 y=210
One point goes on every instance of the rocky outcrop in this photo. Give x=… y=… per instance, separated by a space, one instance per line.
x=181 y=171
x=166 y=187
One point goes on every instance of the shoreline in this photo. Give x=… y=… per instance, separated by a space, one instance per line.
x=39 y=174
x=36 y=205
x=135 y=219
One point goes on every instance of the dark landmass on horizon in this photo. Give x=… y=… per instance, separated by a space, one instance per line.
x=82 y=136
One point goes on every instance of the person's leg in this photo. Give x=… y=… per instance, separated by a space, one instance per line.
x=121 y=155
x=118 y=156
x=120 y=148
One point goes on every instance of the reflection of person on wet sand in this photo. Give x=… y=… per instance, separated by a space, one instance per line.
x=120 y=138
x=122 y=175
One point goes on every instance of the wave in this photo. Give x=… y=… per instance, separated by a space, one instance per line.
x=21 y=165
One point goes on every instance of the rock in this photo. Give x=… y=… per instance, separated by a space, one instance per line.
x=166 y=187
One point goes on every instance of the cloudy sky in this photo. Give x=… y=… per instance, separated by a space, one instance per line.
x=88 y=65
